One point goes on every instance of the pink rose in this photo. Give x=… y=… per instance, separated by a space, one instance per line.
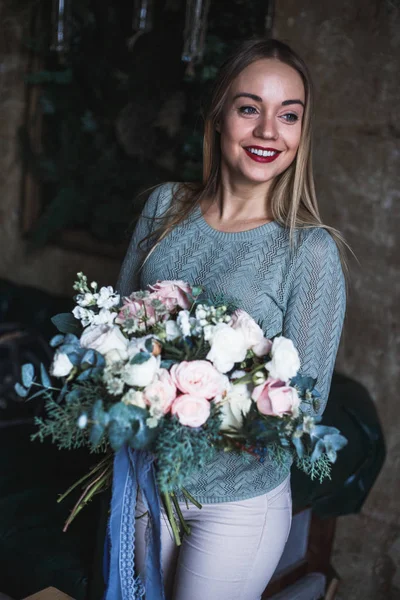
x=172 y=293
x=141 y=311
x=161 y=391
x=274 y=397
x=198 y=378
x=252 y=333
x=192 y=411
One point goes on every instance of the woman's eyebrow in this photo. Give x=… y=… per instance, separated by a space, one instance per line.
x=246 y=95
x=286 y=102
x=259 y=99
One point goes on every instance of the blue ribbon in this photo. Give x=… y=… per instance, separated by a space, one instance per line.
x=132 y=469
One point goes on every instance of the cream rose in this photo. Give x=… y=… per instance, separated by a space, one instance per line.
x=236 y=403
x=198 y=378
x=104 y=338
x=134 y=397
x=61 y=365
x=140 y=375
x=285 y=361
x=228 y=347
x=192 y=411
x=252 y=333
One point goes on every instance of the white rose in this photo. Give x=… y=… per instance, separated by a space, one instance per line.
x=237 y=374
x=104 y=317
x=285 y=361
x=172 y=330
x=141 y=375
x=61 y=366
x=104 y=338
x=114 y=356
x=235 y=404
x=252 y=333
x=228 y=347
x=138 y=345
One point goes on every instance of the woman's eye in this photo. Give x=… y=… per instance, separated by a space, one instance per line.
x=248 y=110
x=290 y=117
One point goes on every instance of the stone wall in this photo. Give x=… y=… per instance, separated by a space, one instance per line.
x=353 y=49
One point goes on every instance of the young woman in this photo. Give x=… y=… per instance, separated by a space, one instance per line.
x=251 y=231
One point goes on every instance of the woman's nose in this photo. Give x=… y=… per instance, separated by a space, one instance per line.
x=266 y=128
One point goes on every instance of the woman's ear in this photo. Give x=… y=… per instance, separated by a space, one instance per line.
x=218 y=126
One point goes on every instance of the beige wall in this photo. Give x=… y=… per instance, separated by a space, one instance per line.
x=353 y=49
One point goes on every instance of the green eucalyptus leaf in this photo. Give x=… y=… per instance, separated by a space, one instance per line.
x=28 y=373
x=66 y=323
x=298 y=444
x=318 y=451
x=140 y=358
x=89 y=358
x=141 y=436
x=57 y=340
x=149 y=345
x=44 y=377
x=96 y=433
x=20 y=390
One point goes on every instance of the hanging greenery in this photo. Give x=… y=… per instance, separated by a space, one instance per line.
x=121 y=117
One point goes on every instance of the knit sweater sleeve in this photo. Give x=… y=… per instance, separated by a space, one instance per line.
x=149 y=220
x=316 y=307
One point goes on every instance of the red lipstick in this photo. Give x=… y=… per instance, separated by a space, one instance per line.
x=260 y=158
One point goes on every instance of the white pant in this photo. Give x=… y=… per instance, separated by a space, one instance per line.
x=232 y=551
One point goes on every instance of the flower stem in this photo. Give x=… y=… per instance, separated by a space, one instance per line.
x=249 y=376
x=185 y=526
x=190 y=498
x=99 y=466
x=171 y=517
x=94 y=487
x=46 y=388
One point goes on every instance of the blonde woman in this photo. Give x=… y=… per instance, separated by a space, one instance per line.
x=251 y=231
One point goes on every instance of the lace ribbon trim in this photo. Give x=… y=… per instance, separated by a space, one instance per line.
x=132 y=469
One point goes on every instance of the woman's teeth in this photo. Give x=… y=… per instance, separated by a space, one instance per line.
x=262 y=152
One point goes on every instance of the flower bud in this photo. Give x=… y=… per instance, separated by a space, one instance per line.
x=259 y=378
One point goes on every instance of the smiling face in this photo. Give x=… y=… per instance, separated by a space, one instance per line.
x=260 y=125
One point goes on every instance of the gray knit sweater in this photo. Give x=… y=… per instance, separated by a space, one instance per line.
x=299 y=293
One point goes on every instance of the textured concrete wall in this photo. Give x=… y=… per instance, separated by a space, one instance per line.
x=353 y=48
x=51 y=268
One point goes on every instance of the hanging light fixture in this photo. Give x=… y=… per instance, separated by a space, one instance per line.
x=195 y=32
x=143 y=16
x=142 y=21
x=60 y=26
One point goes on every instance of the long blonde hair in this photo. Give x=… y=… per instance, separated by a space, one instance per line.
x=293 y=200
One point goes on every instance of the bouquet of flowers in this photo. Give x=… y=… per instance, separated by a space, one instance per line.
x=169 y=372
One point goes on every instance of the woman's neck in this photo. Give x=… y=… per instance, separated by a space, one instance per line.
x=237 y=208
x=238 y=203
